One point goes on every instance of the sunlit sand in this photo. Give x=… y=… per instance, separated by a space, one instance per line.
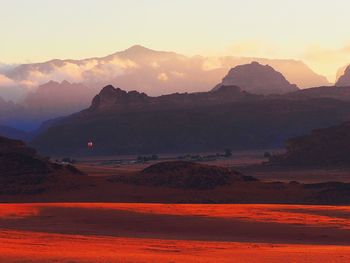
x=120 y=232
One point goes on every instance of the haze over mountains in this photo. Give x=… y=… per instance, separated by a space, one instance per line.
x=61 y=87
x=150 y=71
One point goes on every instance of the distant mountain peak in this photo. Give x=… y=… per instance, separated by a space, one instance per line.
x=138 y=51
x=108 y=89
x=258 y=79
x=137 y=48
x=344 y=80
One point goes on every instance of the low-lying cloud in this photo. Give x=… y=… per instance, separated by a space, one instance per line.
x=10 y=89
x=28 y=77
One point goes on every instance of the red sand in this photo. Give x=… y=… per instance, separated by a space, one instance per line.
x=94 y=232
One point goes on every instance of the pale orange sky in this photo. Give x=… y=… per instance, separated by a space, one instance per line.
x=314 y=31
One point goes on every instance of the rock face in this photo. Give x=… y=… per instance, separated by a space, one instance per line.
x=323 y=147
x=187 y=175
x=344 y=80
x=22 y=170
x=258 y=79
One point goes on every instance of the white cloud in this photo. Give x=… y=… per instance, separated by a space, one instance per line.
x=91 y=70
x=5 y=81
x=178 y=74
x=163 y=77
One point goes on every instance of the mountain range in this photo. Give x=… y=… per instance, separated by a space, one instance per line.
x=60 y=87
x=143 y=69
x=121 y=122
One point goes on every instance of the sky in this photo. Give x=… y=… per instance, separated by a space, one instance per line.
x=315 y=31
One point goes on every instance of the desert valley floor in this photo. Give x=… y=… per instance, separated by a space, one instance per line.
x=120 y=232
x=50 y=228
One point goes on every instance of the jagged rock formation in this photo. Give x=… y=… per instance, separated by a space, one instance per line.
x=258 y=79
x=116 y=99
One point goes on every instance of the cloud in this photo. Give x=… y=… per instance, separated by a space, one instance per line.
x=108 y=70
x=80 y=71
x=163 y=77
x=10 y=90
x=154 y=64
x=5 y=81
x=4 y=68
x=178 y=74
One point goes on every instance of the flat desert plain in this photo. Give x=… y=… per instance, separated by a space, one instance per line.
x=125 y=232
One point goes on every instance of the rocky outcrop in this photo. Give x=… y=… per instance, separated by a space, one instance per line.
x=113 y=98
x=257 y=79
x=323 y=147
x=187 y=175
x=22 y=170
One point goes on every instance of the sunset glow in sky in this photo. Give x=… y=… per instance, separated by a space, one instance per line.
x=315 y=31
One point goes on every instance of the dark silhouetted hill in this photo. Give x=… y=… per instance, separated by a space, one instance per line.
x=13 y=133
x=23 y=171
x=188 y=175
x=323 y=147
x=120 y=122
x=333 y=92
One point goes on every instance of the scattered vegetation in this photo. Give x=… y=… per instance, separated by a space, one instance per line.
x=211 y=157
x=68 y=160
x=142 y=159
